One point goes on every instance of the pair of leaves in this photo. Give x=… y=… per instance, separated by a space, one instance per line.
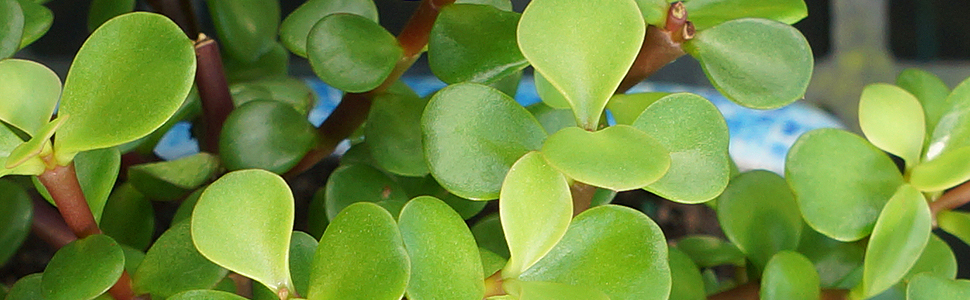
x=945 y=147
x=24 y=21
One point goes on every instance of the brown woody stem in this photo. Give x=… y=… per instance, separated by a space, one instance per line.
x=952 y=199
x=210 y=77
x=661 y=46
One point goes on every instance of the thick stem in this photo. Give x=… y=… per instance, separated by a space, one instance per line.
x=210 y=78
x=61 y=182
x=48 y=225
x=661 y=46
x=181 y=12
x=751 y=291
x=582 y=196
x=952 y=199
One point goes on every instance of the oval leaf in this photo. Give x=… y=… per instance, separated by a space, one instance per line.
x=242 y=222
x=11 y=27
x=709 y=251
x=247 y=28
x=16 y=212
x=626 y=108
x=37 y=20
x=956 y=223
x=174 y=265
x=893 y=120
x=267 y=135
x=173 y=180
x=393 y=132
x=928 y=286
x=759 y=214
x=789 y=276
x=205 y=294
x=361 y=256
x=839 y=264
x=900 y=235
x=619 y=157
x=118 y=100
x=549 y=94
x=709 y=13
x=445 y=262
x=614 y=249
x=27 y=288
x=841 y=182
x=302 y=248
x=353 y=183
x=695 y=133
x=128 y=217
x=943 y=172
x=583 y=47
x=30 y=91
x=352 y=53
x=472 y=136
x=541 y=290
x=474 y=43
x=535 y=208
x=742 y=58
x=685 y=278
x=490 y=236
x=929 y=90
x=296 y=27
x=937 y=258
x=952 y=132
x=84 y=269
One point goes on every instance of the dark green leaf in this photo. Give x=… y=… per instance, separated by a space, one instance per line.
x=133 y=258
x=709 y=251
x=352 y=53
x=489 y=235
x=31 y=91
x=11 y=27
x=174 y=265
x=837 y=262
x=37 y=20
x=900 y=235
x=84 y=269
x=789 y=276
x=128 y=217
x=185 y=209
x=27 y=288
x=928 y=286
x=759 y=214
x=353 y=183
x=302 y=248
x=267 y=135
x=247 y=27
x=274 y=63
x=317 y=219
x=16 y=212
x=296 y=27
x=172 y=180
x=393 y=131
x=929 y=90
x=472 y=136
x=103 y=10
x=427 y=186
x=685 y=278
x=742 y=58
x=206 y=295
x=474 y=43
x=709 y=13
x=595 y=157
x=289 y=90
x=893 y=120
x=841 y=182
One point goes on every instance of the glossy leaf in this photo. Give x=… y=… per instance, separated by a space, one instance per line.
x=535 y=207
x=296 y=27
x=361 y=256
x=841 y=182
x=393 y=132
x=27 y=288
x=474 y=43
x=128 y=217
x=174 y=265
x=928 y=286
x=956 y=223
x=172 y=180
x=953 y=130
x=540 y=290
x=489 y=235
x=929 y=90
x=353 y=183
x=709 y=251
x=445 y=262
x=16 y=212
x=614 y=249
x=789 y=276
x=759 y=214
x=709 y=13
x=266 y=135
x=549 y=94
x=118 y=100
x=943 y=172
x=937 y=258
x=205 y=294
x=243 y=221
x=695 y=133
x=685 y=278
x=11 y=27
x=626 y=108
x=742 y=59
x=97 y=171
x=37 y=20
x=619 y=157
x=302 y=248
x=839 y=264
x=31 y=91
x=83 y=269
x=247 y=28
x=289 y=90
x=900 y=235
x=583 y=47
x=352 y=53
x=103 y=10
x=472 y=135
x=893 y=120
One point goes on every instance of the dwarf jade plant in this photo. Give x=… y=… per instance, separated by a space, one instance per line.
x=406 y=214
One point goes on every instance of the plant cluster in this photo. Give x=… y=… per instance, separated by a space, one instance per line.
x=403 y=215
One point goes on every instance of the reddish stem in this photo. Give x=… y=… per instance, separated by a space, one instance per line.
x=61 y=182
x=661 y=46
x=952 y=199
x=213 y=87
x=49 y=226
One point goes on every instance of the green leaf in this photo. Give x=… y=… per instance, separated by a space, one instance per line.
x=489 y=235
x=353 y=183
x=36 y=146
x=474 y=43
x=472 y=136
x=173 y=180
x=27 y=288
x=552 y=119
x=742 y=58
x=11 y=27
x=37 y=20
x=97 y=171
x=317 y=220
x=427 y=186
x=614 y=249
x=84 y=269
x=956 y=223
x=789 y=276
x=393 y=131
x=133 y=258
x=654 y=11
x=837 y=262
x=247 y=28
x=289 y=90
x=16 y=212
x=709 y=13
x=685 y=278
x=595 y=157
x=273 y=64
x=185 y=209
x=893 y=120
x=302 y=248
x=505 y=5
x=900 y=235
x=118 y=100
x=943 y=172
x=205 y=294
x=549 y=94
x=31 y=91
x=540 y=290
x=173 y=265
x=103 y=10
x=841 y=182
x=583 y=47
x=709 y=251
x=445 y=262
x=243 y=221
x=626 y=108
x=952 y=132
x=128 y=217
x=929 y=90
x=759 y=214
x=266 y=135
x=352 y=53
x=695 y=133
x=361 y=256
x=491 y=262
x=296 y=27
x=937 y=258
x=928 y=286
x=535 y=207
